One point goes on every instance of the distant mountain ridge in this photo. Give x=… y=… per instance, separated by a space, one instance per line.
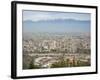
x=69 y=20
x=58 y=25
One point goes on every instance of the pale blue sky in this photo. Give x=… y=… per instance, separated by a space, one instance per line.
x=48 y=15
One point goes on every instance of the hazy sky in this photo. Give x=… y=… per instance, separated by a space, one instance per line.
x=44 y=21
x=46 y=15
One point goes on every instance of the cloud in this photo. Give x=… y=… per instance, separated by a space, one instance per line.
x=49 y=15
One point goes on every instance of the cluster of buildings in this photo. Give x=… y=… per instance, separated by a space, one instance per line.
x=57 y=44
x=43 y=49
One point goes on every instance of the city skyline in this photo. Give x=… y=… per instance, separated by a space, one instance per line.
x=52 y=39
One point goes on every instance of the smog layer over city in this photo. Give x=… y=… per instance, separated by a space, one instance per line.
x=56 y=39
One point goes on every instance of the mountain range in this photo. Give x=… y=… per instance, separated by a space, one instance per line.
x=58 y=25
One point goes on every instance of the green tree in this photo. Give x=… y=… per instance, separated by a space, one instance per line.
x=32 y=65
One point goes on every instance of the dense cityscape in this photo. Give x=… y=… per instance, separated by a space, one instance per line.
x=53 y=50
